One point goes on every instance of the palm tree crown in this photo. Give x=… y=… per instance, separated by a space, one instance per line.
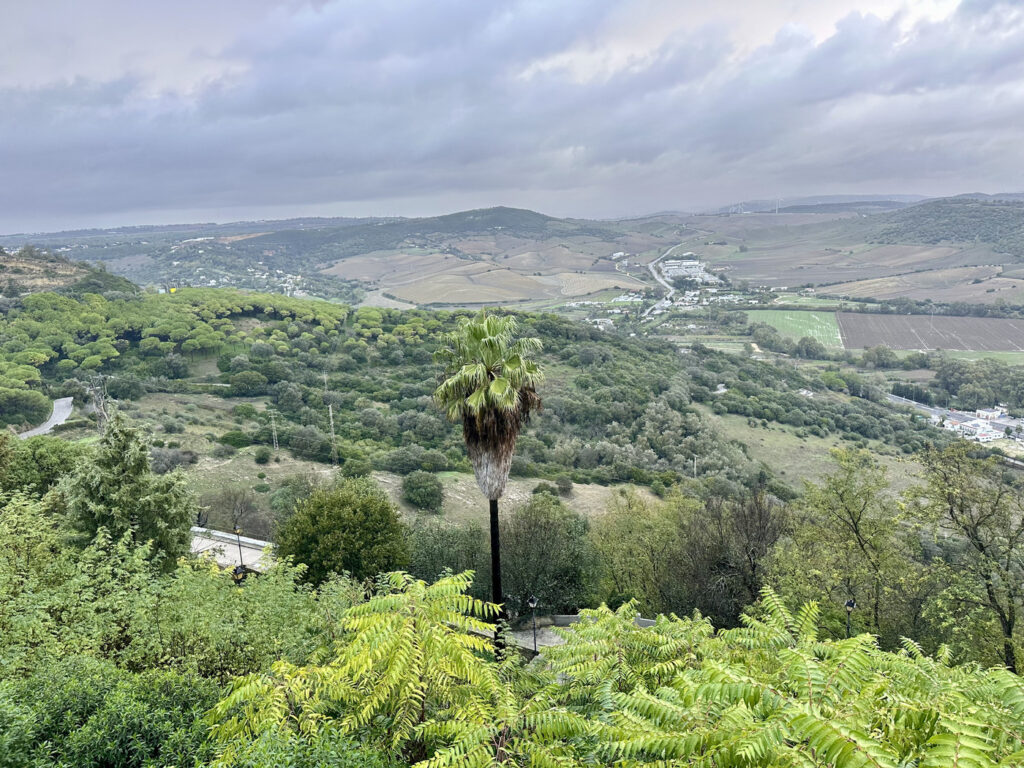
x=489 y=384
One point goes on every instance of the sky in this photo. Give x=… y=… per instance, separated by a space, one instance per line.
x=117 y=112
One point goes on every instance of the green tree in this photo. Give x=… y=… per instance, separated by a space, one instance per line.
x=984 y=511
x=423 y=490
x=114 y=489
x=548 y=554
x=351 y=528
x=248 y=383
x=489 y=386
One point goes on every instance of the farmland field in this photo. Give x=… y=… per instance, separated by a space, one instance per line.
x=925 y=332
x=818 y=325
x=974 y=284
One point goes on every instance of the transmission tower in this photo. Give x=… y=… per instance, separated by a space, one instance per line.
x=334 y=443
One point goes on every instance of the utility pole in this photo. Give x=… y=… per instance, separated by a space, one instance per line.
x=334 y=444
x=273 y=429
x=325 y=382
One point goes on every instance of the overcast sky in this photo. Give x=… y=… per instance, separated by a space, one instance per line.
x=124 y=112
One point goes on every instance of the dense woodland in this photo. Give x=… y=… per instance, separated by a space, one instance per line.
x=363 y=645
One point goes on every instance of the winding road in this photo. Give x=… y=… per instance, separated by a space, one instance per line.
x=667 y=299
x=61 y=413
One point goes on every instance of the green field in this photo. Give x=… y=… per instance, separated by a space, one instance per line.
x=818 y=325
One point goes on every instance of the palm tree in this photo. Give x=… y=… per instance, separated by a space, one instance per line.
x=489 y=386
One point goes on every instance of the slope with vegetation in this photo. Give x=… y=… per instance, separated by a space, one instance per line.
x=118 y=648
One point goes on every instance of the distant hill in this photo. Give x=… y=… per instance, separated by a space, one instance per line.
x=954 y=220
x=31 y=270
x=795 y=204
x=866 y=206
x=339 y=242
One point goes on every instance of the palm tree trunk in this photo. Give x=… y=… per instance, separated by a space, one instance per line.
x=496 y=594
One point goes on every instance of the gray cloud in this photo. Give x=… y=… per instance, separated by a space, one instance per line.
x=402 y=107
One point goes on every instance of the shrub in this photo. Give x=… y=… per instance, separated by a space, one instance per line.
x=164 y=460
x=545 y=488
x=357 y=466
x=224 y=451
x=236 y=438
x=423 y=490
x=564 y=485
x=261 y=488
x=352 y=527
x=262 y=455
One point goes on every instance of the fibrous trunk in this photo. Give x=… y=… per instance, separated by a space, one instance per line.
x=490 y=442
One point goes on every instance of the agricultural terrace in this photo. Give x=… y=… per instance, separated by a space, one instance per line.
x=821 y=326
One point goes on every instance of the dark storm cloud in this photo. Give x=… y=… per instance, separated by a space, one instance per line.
x=456 y=100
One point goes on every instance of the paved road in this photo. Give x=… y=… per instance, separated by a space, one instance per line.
x=664 y=302
x=61 y=413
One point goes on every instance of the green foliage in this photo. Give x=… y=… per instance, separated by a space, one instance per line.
x=325 y=749
x=115 y=490
x=489 y=386
x=350 y=528
x=262 y=455
x=23 y=406
x=423 y=490
x=406 y=654
x=88 y=713
x=547 y=553
x=413 y=674
x=236 y=439
x=35 y=465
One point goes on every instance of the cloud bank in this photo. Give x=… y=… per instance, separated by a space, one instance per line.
x=253 y=108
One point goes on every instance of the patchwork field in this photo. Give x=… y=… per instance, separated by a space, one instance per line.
x=859 y=330
x=818 y=325
x=926 y=332
x=973 y=284
x=820 y=249
x=500 y=269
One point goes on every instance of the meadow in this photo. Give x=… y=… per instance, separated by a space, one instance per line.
x=821 y=326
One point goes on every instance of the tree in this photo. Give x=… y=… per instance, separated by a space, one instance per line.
x=971 y=499
x=114 y=489
x=849 y=543
x=548 y=554
x=248 y=383
x=489 y=386
x=423 y=490
x=351 y=528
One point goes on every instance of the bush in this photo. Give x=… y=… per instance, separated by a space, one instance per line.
x=261 y=488
x=283 y=747
x=224 y=451
x=352 y=527
x=564 y=485
x=262 y=455
x=545 y=488
x=423 y=490
x=172 y=427
x=244 y=411
x=93 y=715
x=236 y=438
x=164 y=460
x=357 y=466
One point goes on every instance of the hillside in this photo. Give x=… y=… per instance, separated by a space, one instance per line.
x=30 y=270
x=955 y=220
x=496 y=255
